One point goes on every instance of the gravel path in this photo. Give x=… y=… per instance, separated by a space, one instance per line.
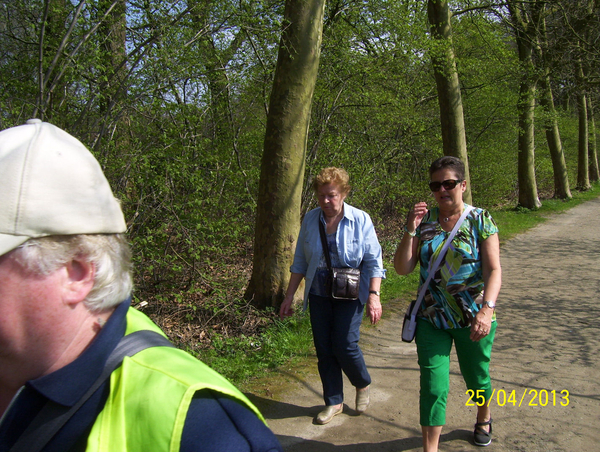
x=546 y=344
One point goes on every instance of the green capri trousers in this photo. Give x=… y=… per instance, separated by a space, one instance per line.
x=433 y=348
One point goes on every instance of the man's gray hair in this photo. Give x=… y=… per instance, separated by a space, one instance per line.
x=110 y=254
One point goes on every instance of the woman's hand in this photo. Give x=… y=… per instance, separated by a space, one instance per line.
x=415 y=215
x=405 y=258
x=492 y=279
x=374 y=309
x=481 y=324
x=286 y=310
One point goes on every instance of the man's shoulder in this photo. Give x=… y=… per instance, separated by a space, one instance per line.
x=169 y=384
x=218 y=422
x=176 y=369
x=182 y=372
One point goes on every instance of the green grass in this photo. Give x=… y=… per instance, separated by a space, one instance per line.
x=242 y=359
x=396 y=288
x=287 y=343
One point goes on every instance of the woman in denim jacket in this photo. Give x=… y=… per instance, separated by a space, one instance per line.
x=352 y=242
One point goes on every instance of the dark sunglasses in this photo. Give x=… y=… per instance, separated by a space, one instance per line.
x=448 y=184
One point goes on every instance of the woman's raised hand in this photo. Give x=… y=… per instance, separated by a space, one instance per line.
x=415 y=215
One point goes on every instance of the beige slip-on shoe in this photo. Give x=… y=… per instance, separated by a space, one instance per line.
x=327 y=414
x=362 y=400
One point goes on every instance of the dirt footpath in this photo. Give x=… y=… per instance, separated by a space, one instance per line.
x=547 y=343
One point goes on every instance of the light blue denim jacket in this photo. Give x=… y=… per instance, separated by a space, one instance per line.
x=357 y=246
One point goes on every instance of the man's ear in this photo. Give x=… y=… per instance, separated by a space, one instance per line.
x=79 y=280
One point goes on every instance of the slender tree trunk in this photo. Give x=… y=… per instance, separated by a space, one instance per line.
x=113 y=72
x=448 y=87
x=283 y=161
x=559 y=166
x=592 y=143
x=215 y=59
x=528 y=194
x=51 y=33
x=583 y=175
x=112 y=30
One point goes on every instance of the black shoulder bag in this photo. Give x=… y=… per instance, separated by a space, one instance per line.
x=343 y=283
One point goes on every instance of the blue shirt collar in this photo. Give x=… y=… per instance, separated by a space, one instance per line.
x=348 y=211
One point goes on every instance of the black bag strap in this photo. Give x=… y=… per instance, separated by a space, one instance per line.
x=324 y=243
x=54 y=416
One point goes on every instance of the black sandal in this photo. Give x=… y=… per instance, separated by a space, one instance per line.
x=481 y=437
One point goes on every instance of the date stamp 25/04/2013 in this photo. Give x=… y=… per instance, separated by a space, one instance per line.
x=529 y=397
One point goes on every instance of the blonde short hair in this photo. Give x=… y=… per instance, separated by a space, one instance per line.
x=333 y=175
x=110 y=254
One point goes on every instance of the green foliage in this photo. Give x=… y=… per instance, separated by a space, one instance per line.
x=488 y=75
x=370 y=115
x=178 y=127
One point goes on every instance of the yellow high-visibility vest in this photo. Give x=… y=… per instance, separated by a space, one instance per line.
x=149 y=397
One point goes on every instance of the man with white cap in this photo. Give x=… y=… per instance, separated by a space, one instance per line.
x=80 y=370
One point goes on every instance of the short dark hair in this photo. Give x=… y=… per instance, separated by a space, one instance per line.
x=449 y=162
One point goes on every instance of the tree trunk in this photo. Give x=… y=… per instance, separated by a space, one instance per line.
x=583 y=175
x=283 y=161
x=113 y=49
x=561 y=177
x=215 y=58
x=559 y=167
x=448 y=87
x=592 y=143
x=51 y=33
x=113 y=72
x=528 y=195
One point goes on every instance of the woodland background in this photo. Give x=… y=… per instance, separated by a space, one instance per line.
x=173 y=98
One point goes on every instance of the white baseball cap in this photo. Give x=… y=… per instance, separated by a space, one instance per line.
x=51 y=184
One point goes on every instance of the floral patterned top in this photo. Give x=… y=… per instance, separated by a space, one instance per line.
x=455 y=292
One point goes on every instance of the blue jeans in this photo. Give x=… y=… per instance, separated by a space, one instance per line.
x=336 y=330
